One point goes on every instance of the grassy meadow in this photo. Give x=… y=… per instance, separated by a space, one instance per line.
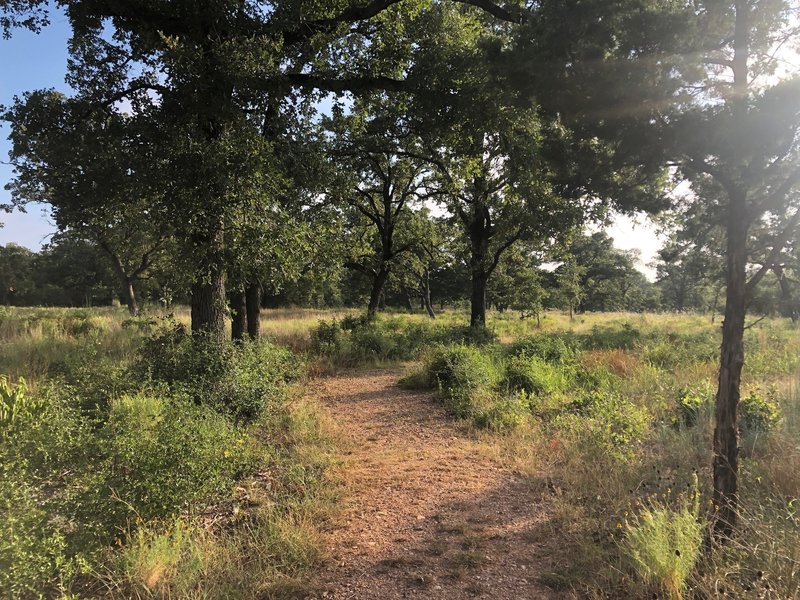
x=136 y=462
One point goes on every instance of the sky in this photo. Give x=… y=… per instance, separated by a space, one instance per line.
x=29 y=62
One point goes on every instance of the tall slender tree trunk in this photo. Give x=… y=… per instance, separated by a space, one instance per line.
x=378 y=283
x=787 y=306
x=253 y=304
x=426 y=294
x=726 y=432
x=239 y=321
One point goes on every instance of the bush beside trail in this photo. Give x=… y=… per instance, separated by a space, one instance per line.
x=108 y=467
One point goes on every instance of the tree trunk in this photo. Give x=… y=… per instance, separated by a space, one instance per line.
x=409 y=301
x=253 y=304
x=208 y=291
x=714 y=307
x=125 y=279
x=479 y=233
x=478 y=299
x=426 y=294
x=378 y=283
x=239 y=321
x=130 y=297
x=787 y=307
x=726 y=432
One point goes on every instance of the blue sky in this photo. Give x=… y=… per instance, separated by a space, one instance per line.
x=28 y=62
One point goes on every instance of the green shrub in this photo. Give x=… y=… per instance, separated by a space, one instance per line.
x=241 y=379
x=461 y=371
x=479 y=336
x=551 y=348
x=759 y=413
x=43 y=536
x=534 y=376
x=326 y=338
x=671 y=350
x=504 y=414
x=371 y=343
x=171 y=455
x=664 y=545
x=353 y=322
x=610 y=337
x=608 y=422
x=71 y=483
x=691 y=406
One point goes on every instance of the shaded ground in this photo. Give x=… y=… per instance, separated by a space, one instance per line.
x=427 y=514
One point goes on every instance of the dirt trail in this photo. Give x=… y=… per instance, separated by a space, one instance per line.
x=427 y=514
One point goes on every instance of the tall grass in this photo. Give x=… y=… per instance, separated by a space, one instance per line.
x=135 y=462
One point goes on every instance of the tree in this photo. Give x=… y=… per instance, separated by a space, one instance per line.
x=385 y=183
x=610 y=280
x=518 y=283
x=17 y=283
x=70 y=271
x=97 y=175
x=200 y=67
x=694 y=78
x=569 y=279
x=739 y=139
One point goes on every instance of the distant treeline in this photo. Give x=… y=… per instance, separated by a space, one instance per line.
x=598 y=277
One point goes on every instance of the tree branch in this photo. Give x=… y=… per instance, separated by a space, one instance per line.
x=777 y=248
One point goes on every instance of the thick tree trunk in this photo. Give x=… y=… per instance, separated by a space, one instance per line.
x=726 y=432
x=479 y=233
x=253 y=303
x=208 y=291
x=238 y=315
x=376 y=294
x=478 y=299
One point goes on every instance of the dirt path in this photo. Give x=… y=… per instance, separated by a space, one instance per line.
x=427 y=514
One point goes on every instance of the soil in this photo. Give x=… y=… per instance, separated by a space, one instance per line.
x=427 y=513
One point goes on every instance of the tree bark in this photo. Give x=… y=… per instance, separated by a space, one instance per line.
x=726 y=432
x=479 y=234
x=253 y=304
x=208 y=291
x=478 y=299
x=426 y=294
x=239 y=320
x=378 y=283
x=130 y=297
